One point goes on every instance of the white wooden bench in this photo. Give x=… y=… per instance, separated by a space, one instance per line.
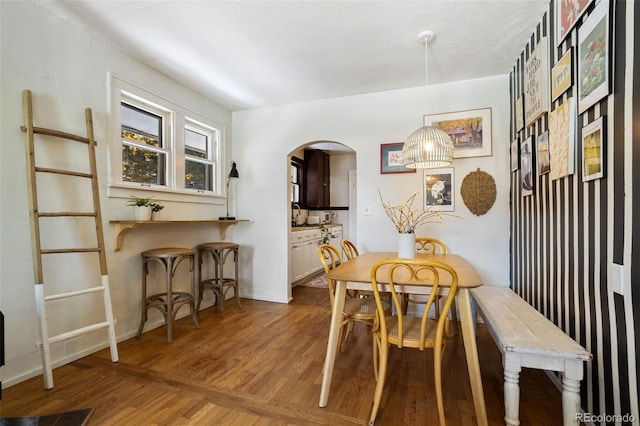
x=527 y=338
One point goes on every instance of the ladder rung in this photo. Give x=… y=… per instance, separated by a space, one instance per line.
x=57 y=134
x=73 y=250
x=63 y=172
x=77 y=332
x=64 y=214
x=73 y=293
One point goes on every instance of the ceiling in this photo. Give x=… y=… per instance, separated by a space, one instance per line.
x=250 y=54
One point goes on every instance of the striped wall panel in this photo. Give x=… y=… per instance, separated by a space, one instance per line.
x=566 y=237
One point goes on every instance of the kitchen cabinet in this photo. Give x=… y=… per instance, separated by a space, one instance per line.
x=336 y=231
x=316 y=178
x=304 y=257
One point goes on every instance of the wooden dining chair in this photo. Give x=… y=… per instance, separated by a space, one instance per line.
x=405 y=331
x=356 y=308
x=430 y=245
x=349 y=248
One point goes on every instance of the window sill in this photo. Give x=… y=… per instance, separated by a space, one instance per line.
x=125 y=191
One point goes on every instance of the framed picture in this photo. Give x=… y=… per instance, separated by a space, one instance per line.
x=439 y=189
x=526 y=167
x=515 y=153
x=470 y=131
x=391 y=159
x=562 y=137
x=518 y=112
x=562 y=75
x=542 y=149
x=593 y=135
x=593 y=57
x=536 y=82
x=568 y=12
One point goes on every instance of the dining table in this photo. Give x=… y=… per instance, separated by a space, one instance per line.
x=355 y=274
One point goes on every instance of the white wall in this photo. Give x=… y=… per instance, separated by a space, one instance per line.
x=264 y=137
x=67 y=70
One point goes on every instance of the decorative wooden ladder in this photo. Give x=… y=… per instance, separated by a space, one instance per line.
x=32 y=172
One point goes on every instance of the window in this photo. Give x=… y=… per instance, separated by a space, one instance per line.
x=296 y=172
x=199 y=143
x=144 y=153
x=162 y=147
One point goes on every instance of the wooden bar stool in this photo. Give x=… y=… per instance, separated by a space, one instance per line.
x=219 y=284
x=169 y=302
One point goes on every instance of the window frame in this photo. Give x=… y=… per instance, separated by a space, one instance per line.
x=178 y=119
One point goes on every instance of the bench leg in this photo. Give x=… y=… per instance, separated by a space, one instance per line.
x=571 y=393
x=511 y=390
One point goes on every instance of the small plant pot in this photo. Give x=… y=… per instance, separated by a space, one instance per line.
x=142 y=213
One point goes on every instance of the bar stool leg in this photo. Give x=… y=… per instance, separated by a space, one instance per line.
x=168 y=318
x=143 y=317
x=192 y=302
x=237 y=282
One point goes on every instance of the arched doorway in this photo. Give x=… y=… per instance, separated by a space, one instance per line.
x=308 y=209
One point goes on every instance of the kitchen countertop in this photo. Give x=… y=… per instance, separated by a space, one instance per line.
x=309 y=227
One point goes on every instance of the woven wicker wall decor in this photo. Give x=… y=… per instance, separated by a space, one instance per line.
x=478 y=192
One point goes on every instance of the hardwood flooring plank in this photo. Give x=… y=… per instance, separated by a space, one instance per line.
x=262 y=365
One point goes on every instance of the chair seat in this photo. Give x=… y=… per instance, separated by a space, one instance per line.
x=362 y=307
x=411 y=330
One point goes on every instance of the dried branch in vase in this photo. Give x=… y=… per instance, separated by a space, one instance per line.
x=406 y=218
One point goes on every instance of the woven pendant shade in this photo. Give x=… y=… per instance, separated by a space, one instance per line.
x=427 y=148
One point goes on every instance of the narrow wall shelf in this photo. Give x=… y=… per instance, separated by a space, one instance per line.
x=121 y=226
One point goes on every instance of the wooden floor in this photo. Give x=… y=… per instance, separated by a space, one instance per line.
x=262 y=365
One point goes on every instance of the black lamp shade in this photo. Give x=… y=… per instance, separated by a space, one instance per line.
x=233 y=173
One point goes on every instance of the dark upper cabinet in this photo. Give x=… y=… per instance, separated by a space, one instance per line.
x=316 y=178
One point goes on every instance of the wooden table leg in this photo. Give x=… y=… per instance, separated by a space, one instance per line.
x=471 y=350
x=332 y=344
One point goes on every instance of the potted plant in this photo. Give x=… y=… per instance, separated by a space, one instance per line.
x=144 y=207
x=325 y=235
x=406 y=219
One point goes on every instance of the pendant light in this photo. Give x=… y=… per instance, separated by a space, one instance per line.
x=428 y=147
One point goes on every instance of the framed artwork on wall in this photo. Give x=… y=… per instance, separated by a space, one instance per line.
x=562 y=75
x=515 y=154
x=470 y=131
x=593 y=137
x=518 y=112
x=391 y=159
x=438 y=185
x=593 y=57
x=536 y=82
x=526 y=167
x=562 y=136
x=568 y=12
x=542 y=149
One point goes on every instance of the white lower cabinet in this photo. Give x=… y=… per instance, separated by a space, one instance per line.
x=304 y=257
x=304 y=251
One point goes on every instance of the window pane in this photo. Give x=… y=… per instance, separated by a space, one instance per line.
x=198 y=176
x=143 y=166
x=195 y=144
x=141 y=126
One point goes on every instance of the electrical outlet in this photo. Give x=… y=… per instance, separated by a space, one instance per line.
x=367 y=211
x=617 y=278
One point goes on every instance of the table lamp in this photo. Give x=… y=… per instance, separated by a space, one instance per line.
x=233 y=174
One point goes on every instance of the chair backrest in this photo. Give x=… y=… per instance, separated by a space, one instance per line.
x=350 y=249
x=418 y=272
x=430 y=245
x=330 y=257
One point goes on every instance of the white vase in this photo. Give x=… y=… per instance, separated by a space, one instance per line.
x=142 y=213
x=407 y=245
